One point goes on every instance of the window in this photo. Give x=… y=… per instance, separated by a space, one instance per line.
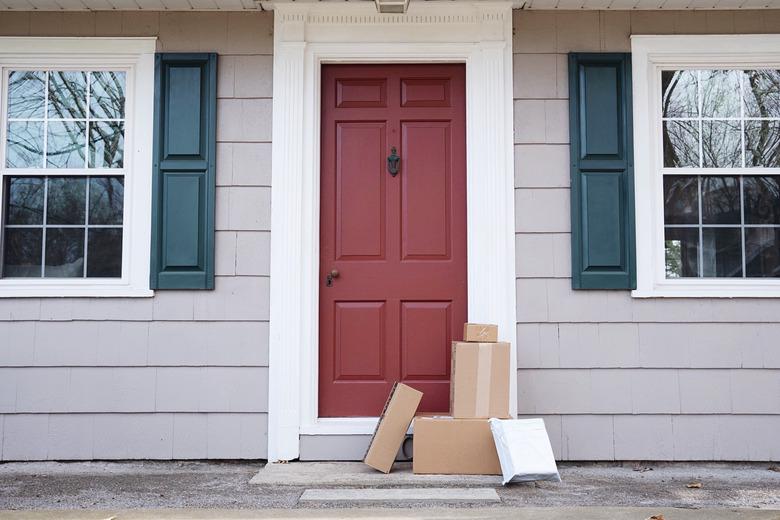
x=721 y=226
x=707 y=163
x=75 y=167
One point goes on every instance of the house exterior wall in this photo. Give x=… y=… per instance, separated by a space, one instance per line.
x=616 y=377
x=183 y=374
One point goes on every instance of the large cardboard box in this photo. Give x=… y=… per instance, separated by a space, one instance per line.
x=480 y=380
x=391 y=429
x=449 y=446
x=478 y=332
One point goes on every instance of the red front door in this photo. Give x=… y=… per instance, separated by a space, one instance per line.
x=397 y=242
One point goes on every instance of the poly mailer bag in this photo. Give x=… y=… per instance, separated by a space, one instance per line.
x=524 y=450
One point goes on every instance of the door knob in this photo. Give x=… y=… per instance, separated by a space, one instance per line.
x=334 y=273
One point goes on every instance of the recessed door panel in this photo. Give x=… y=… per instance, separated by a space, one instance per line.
x=359 y=341
x=361 y=93
x=360 y=190
x=425 y=340
x=392 y=240
x=425 y=195
x=428 y=92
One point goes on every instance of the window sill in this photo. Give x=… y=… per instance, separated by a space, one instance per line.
x=68 y=289
x=761 y=288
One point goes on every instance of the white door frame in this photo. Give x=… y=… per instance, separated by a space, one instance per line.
x=306 y=35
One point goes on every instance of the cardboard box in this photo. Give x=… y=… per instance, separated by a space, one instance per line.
x=391 y=429
x=480 y=333
x=449 y=446
x=480 y=380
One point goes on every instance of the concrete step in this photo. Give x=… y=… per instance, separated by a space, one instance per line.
x=450 y=494
x=357 y=474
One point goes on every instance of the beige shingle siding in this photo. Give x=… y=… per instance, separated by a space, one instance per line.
x=183 y=374
x=615 y=377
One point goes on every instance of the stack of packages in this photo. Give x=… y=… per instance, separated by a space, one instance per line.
x=479 y=437
x=479 y=389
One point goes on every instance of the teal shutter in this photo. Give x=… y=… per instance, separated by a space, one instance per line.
x=185 y=116
x=602 y=172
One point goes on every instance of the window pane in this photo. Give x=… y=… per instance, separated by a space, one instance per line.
x=762 y=252
x=681 y=144
x=64 y=253
x=107 y=97
x=26 y=94
x=681 y=199
x=720 y=200
x=762 y=200
x=66 y=201
x=679 y=95
x=762 y=93
x=65 y=144
x=106 y=197
x=104 y=256
x=762 y=144
x=106 y=144
x=25 y=144
x=25 y=200
x=682 y=252
x=721 y=144
x=22 y=257
x=722 y=253
x=720 y=93
x=67 y=94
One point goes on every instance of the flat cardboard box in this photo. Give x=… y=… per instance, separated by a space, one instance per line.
x=480 y=380
x=480 y=333
x=449 y=446
x=391 y=429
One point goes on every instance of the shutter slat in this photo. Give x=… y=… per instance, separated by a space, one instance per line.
x=184 y=171
x=602 y=177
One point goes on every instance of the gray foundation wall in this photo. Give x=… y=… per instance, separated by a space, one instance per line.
x=183 y=374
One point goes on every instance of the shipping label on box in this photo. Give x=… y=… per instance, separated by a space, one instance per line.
x=480 y=333
x=391 y=429
x=449 y=446
x=480 y=380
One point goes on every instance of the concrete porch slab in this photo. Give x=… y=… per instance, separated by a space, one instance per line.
x=357 y=474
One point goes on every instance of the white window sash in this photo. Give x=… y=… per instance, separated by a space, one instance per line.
x=136 y=57
x=650 y=55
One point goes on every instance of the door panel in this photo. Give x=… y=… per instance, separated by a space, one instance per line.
x=425 y=92
x=425 y=196
x=365 y=92
x=424 y=324
x=360 y=340
x=360 y=190
x=397 y=242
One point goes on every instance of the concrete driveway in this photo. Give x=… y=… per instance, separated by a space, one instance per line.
x=167 y=490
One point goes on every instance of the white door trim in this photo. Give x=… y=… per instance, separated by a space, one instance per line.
x=477 y=33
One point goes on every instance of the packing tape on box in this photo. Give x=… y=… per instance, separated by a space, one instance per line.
x=484 y=369
x=482 y=333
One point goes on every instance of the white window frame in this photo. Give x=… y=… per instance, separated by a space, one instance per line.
x=650 y=55
x=136 y=56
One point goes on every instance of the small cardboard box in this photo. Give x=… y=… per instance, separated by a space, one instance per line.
x=391 y=429
x=449 y=446
x=477 y=332
x=480 y=380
